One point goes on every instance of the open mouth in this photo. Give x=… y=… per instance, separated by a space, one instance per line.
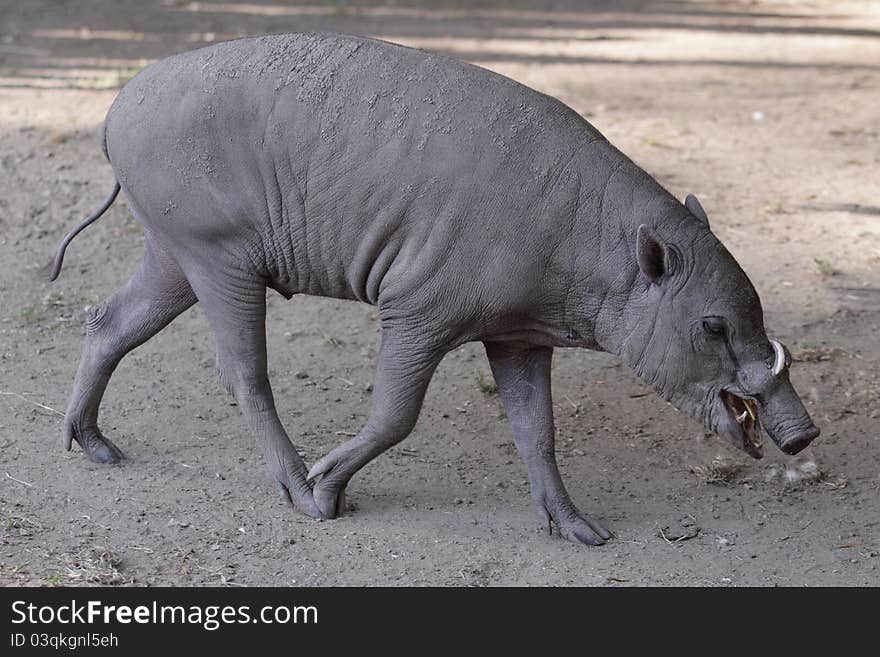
x=745 y=413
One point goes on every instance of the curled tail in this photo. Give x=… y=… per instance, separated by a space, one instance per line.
x=59 y=255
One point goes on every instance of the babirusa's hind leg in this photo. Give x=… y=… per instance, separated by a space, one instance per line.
x=236 y=309
x=156 y=294
x=407 y=360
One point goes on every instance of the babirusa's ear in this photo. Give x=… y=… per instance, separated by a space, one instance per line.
x=693 y=205
x=651 y=254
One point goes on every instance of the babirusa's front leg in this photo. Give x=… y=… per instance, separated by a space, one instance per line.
x=406 y=363
x=522 y=373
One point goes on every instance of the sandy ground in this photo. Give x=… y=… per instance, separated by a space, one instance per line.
x=766 y=110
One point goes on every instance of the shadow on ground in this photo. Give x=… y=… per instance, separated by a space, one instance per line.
x=103 y=51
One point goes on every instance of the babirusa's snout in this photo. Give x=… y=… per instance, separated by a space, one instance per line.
x=798 y=440
x=784 y=417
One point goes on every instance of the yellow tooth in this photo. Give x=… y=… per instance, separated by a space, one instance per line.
x=750 y=407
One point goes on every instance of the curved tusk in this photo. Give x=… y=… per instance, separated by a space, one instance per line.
x=779 y=363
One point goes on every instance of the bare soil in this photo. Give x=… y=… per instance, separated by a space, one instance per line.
x=768 y=111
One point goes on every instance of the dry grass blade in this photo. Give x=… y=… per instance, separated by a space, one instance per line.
x=718 y=471
x=31 y=401
x=19 y=481
x=96 y=565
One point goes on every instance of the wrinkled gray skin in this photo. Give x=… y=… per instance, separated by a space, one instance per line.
x=463 y=205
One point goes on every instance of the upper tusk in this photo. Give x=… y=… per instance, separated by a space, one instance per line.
x=779 y=363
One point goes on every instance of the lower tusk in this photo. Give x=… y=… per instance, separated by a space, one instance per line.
x=742 y=418
x=779 y=362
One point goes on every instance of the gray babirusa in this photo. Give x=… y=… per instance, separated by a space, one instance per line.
x=463 y=205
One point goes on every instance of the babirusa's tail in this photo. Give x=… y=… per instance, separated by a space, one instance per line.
x=59 y=255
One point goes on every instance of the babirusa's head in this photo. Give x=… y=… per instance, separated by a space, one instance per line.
x=696 y=334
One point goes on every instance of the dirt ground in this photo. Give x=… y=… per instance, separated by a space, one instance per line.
x=768 y=111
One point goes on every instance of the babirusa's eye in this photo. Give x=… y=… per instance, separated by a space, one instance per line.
x=715 y=326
